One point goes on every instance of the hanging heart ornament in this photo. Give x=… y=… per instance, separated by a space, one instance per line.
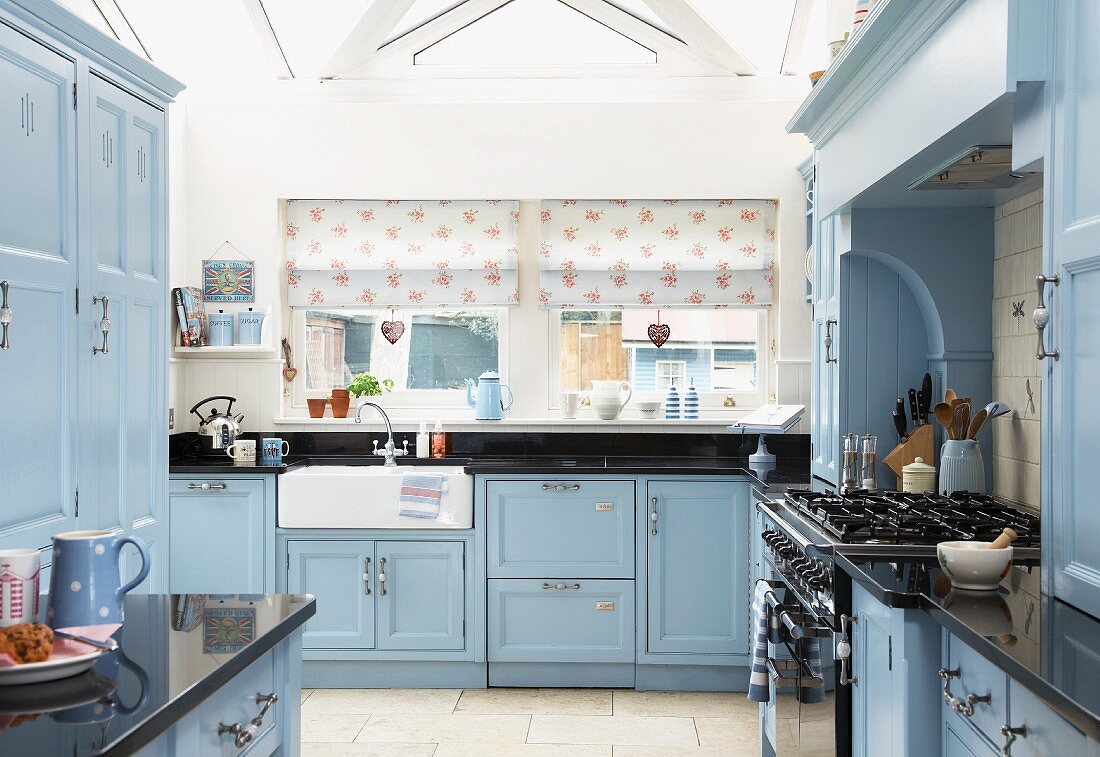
x=289 y=374
x=659 y=333
x=393 y=330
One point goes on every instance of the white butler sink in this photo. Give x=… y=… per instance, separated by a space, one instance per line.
x=365 y=496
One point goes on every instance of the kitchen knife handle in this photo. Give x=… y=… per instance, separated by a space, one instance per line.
x=900 y=424
x=914 y=409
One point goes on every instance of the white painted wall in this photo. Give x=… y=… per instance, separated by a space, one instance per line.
x=240 y=160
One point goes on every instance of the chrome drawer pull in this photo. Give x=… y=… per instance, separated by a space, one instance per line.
x=561 y=488
x=1041 y=316
x=561 y=587
x=206 y=486
x=5 y=316
x=653 y=517
x=963 y=706
x=382 y=574
x=366 y=576
x=1011 y=734
x=829 y=340
x=844 y=652
x=104 y=323
x=244 y=734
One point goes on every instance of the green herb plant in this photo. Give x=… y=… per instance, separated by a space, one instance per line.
x=367 y=385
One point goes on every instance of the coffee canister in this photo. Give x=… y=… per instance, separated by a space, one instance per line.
x=220 y=329
x=249 y=325
x=918 y=477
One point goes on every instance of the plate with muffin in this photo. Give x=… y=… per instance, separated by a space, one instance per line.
x=31 y=653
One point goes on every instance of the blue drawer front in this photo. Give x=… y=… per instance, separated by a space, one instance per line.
x=981 y=677
x=565 y=528
x=529 y=623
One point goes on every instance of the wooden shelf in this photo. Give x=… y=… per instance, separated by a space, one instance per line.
x=236 y=351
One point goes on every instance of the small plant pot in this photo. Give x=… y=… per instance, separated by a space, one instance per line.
x=340 y=406
x=341 y=394
x=317 y=407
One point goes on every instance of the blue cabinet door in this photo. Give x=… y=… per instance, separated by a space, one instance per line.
x=340 y=574
x=561 y=620
x=220 y=532
x=960 y=740
x=565 y=528
x=421 y=595
x=697 y=560
x=878 y=717
x=1045 y=732
x=825 y=351
x=1070 y=439
x=38 y=260
x=125 y=454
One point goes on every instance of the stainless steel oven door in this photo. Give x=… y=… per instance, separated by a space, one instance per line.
x=800 y=716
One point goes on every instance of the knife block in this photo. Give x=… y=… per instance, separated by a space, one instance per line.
x=921 y=443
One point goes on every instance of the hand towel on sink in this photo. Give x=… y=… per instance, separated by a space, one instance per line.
x=766 y=627
x=420 y=496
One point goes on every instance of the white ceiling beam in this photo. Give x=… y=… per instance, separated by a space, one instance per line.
x=362 y=43
x=681 y=17
x=796 y=37
x=273 y=51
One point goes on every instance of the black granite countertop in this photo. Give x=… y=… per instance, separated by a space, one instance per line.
x=1051 y=648
x=137 y=693
x=785 y=472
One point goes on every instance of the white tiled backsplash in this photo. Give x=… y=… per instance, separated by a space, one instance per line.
x=1017 y=235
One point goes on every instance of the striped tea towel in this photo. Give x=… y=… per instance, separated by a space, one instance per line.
x=420 y=495
x=809 y=651
x=767 y=626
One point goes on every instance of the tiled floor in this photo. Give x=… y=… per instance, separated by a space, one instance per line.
x=526 y=723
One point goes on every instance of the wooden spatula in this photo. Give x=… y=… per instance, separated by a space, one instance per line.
x=976 y=424
x=945 y=416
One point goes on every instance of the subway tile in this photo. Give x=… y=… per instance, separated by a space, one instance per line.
x=1033 y=226
x=626 y=730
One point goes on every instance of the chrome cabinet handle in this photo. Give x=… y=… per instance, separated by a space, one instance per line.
x=382 y=574
x=5 y=316
x=963 y=706
x=1041 y=316
x=653 y=517
x=244 y=734
x=829 y=323
x=561 y=488
x=1011 y=734
x=366 y=576
x=206 y=486
x=104 y=323
x=561 y=587
x=844 y=651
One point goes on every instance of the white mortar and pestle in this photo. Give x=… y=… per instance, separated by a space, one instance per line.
x=974 y=565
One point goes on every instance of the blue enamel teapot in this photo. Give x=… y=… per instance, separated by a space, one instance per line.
x=488 y=403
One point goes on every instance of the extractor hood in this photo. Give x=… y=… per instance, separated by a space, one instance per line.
x=980 y=167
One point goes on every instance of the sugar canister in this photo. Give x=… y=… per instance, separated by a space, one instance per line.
x=918 y=477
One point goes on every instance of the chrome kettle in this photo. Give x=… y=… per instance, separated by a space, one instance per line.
x=217 y=431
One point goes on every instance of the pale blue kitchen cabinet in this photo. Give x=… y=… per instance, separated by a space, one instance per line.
x=1071 y=444
x=82 y=218
x=697 y=566
x=420 y=603
x=566 y=528
x=394 y=595
x=825 y=343
x=39 y=262
x=895 y=696
x=959 y=740
x=340 y=574
x=221 y=535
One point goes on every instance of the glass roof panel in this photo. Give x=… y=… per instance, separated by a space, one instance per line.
x=422 y=12
x=310 y=33
x=756 y=29
x=639 y=9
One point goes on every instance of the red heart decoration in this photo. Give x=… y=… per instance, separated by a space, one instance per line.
x=659 y=333
x=393 y=330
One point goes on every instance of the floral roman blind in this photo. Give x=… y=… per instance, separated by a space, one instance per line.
x=666 y=253
x=402 y=253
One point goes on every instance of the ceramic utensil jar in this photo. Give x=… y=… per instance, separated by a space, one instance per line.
x=961 y=467
x=608 y=399
x=85 y=586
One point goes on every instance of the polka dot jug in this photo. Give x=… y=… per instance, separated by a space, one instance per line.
x=85 y=585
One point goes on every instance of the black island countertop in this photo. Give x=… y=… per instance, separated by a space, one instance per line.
x=137 y=693
x=785 y=472
x=1050 y=647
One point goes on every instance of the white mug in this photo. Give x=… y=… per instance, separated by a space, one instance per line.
x=569 y=401
x=19 y=573
x=242 y=451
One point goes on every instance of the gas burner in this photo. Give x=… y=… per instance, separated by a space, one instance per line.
x=902 y=518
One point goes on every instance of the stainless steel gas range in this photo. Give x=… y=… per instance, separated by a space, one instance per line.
x=802 y=531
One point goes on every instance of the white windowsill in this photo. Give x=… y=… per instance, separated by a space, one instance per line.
x=713 y=423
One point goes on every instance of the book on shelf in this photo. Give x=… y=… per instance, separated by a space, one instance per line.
x=190 y=310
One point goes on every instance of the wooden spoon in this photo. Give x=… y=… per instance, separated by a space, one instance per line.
x=976 y=424
x=949 y=396
x=943 y=414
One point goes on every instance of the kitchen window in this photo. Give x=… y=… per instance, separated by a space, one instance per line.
x=428 y=363
x=721 y=351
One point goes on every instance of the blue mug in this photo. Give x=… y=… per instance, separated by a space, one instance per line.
x=272 y=450
x=85 y=586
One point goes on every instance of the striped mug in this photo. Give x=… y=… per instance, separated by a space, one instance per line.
x=19 y=573
x=85 y=586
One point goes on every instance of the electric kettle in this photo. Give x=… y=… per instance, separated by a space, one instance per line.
x=217 y=431
x=488 y=404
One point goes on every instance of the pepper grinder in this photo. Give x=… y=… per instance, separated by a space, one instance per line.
x=850 y=465
x=867 y=459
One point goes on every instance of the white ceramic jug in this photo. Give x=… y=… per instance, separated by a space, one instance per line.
x=607 y=398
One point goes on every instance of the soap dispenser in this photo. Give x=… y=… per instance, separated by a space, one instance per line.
x=691 y=402
x=672 y=402
x=423 y=442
